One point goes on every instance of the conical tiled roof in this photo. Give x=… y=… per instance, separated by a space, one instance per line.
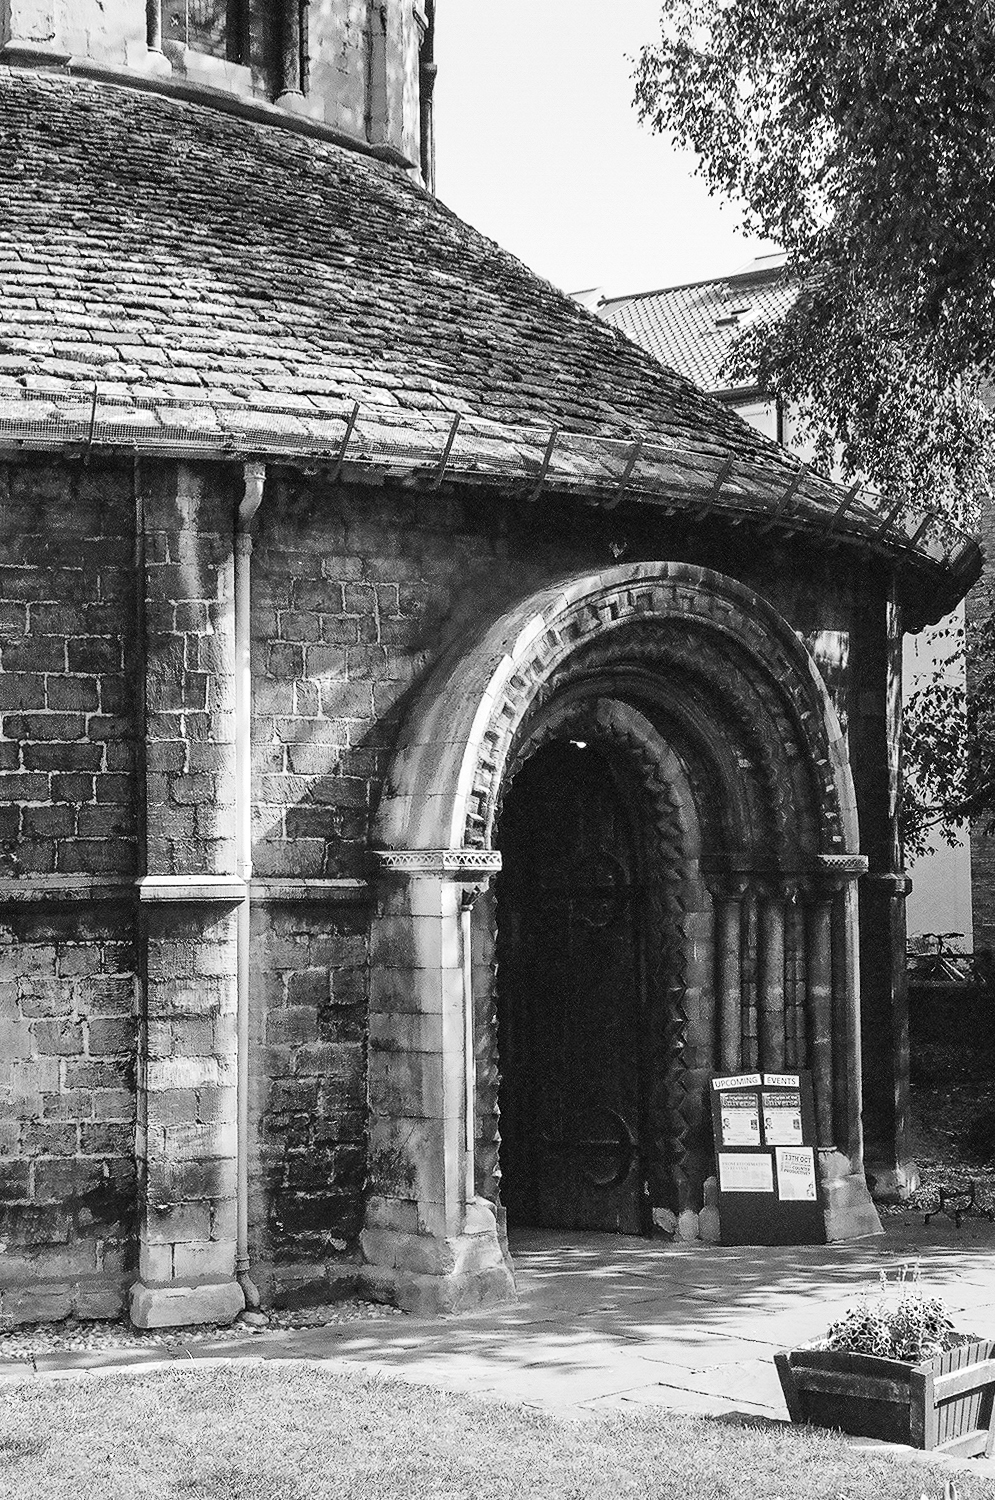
x=162 y=247
x=205 y=270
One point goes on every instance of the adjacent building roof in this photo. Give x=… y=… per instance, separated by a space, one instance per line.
x=690 y=328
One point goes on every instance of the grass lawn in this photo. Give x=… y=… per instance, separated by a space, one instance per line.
x=296 y=1433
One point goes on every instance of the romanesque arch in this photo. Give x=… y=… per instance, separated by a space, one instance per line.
x=725 y=728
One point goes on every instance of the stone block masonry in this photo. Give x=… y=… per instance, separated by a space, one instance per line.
x=67 y=1112
x=67 y=702
x=118 y=996
x=310 y=975
x=67 y=830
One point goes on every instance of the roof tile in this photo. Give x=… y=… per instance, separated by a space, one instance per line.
x=184 y=245
x=691 y=328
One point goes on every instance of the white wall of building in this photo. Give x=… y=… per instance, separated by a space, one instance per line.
x=940 y=900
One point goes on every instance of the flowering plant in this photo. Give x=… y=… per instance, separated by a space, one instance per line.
x=901 y=1321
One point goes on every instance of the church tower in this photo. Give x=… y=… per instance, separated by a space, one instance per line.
x=361 y=68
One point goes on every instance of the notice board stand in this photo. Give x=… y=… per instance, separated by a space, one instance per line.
x=765 y=1159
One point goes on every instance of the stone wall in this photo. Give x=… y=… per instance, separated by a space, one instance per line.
x=308 y=1152
x=361 y=56
x=67 y=1122
x=116 y=766
x=68 y=852
x=67 y=616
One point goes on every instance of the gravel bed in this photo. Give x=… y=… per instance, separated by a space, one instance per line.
x=73 y=1336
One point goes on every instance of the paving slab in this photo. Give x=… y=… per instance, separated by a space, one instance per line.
x=669 y=1398
x=752 y=1382
x=606 y=1323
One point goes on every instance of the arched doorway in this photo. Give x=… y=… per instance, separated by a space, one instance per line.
x=571 y=997
x=713 y=739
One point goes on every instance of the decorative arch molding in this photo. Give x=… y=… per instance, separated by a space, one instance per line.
x=449 y=764
x=655 y=658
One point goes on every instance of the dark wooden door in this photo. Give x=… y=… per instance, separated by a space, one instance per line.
x=568 y=997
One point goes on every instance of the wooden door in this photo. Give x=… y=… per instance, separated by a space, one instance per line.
x=569 y=1009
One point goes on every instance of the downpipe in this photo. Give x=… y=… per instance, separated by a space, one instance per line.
x=255 y=479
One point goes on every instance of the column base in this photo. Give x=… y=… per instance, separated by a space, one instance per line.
x=177 y=1306
x=428 y=1274
x=894 y=1183
x=295 y=102
x=435 y=1296
x=847 y=1205
x=147 y=60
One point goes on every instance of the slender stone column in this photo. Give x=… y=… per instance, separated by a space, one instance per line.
x=771 y=986
x=749 y=979
x=834 y=1039
x=795 y=1042
x=153 y=25
x=291 y=80
x=890 y=1167
x=189 y=895
x=727 y=897
x=820 y=1012
x=429 y=1243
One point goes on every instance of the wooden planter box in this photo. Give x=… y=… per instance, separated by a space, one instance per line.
x=946 y=1403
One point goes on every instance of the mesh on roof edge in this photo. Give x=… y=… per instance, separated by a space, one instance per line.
x=476 y=447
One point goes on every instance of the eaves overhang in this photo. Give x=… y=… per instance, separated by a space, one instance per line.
x=697 y=480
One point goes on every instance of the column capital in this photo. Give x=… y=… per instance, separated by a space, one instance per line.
x=839 y=868
x=727 y=875
x=444 y=864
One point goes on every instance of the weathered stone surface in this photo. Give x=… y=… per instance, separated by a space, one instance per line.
x=849 y=1211
x=178 y=1306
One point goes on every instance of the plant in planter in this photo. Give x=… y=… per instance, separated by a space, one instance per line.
x=894 y=1367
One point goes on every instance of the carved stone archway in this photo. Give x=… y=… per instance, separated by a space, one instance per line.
x=723 y=712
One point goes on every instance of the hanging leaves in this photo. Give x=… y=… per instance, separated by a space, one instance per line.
x=861 y=138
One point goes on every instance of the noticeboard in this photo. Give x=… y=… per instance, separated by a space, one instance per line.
x=765 y=1159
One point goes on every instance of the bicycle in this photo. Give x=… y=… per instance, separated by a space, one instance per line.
x=941 y=963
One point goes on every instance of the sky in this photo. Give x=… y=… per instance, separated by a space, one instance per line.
x=538 y=146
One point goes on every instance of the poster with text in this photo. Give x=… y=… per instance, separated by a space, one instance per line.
x=742 y=1172
x=796 y=1174
x=740 y=1119
x=782 y=1117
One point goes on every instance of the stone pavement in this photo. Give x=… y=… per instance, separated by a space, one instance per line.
x=605 y=1322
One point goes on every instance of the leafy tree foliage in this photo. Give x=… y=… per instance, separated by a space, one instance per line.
x=949 y=738
x=860 y=136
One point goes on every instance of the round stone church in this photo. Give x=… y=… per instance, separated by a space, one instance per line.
x=435 y=739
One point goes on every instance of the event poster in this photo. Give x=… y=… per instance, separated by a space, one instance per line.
x=742 y=1172
x=782 y=1117
x=740 y=1119
x=796 y=1174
